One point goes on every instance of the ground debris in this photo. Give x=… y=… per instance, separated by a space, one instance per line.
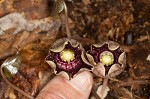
x=105 y=19
x=17 y=21
x=139 y=66
x=28 y=31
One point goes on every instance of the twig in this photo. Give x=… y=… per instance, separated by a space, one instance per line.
x=130 y=83
x=144 y=38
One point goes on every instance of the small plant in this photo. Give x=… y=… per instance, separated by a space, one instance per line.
x=108 y=60
x=66 y=54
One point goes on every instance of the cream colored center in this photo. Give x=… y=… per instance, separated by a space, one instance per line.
x=67 y=55
x=106 y=58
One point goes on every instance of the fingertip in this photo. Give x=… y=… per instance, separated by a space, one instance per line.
x=83 y=83
x=58 y=88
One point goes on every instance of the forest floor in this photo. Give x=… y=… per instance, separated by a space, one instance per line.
x=90 y=21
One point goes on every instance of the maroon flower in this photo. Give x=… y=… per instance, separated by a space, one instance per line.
x=65 y=57
x=108 y=59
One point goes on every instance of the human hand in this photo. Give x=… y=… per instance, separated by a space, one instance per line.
x=59 y=88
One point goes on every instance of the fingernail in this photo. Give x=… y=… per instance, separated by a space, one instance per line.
x=82 y=82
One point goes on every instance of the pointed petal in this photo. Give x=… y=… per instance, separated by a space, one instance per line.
x=99 y=70
x=59 y=45
x=114 y=70
x=84 y=59
x=90 y=59
x=52 y=65
x=98 y=45
x=74 y=43
x=58 y=42
x=122 y=59
x=112 y=45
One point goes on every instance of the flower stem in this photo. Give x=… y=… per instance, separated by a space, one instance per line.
x=66 y=20
x=104 y=86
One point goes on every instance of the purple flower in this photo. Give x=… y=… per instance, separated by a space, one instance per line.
x=107 y=58
x=66 y=56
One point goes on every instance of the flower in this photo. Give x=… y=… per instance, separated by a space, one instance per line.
x=66 y=57
x=107 y=58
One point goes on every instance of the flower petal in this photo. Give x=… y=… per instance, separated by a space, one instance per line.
x=98 y=45
x=122 y=59
x=59 y=45
x=84 y=59
x=90 y=59
x=112 y=45
x=74 y=43
x=52 y=65
x=99 y=70
x=114 y=70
